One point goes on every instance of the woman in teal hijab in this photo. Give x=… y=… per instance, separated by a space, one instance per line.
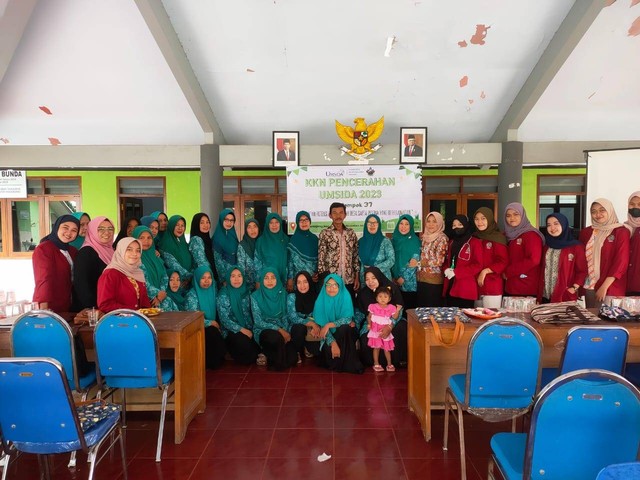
x=175 y=249
x=271 y=247
x=225 y=243
x=303 y=250
x=155 y=275
x=163 y=222
x=84 y=219
x=234 y=312
x=271 y=324
x=406 y=246
x=203 y=298
x=374 y=248
x=246 y=252
x=333 y=312
x=174 y=289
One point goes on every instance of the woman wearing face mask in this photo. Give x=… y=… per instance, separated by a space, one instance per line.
x=53 y=263
x=225 y=244
x=246 y=252
x=607 y=250
x=432 y=255
x=303 y=251
x=375 y=249
x=406 y=246
x=632 y=223
x=464 y=263
x=84 y=220
x=525 y=251
x=175 y=249
x=272 y=247
x=564 y=265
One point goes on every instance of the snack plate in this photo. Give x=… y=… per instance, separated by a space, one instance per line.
x=479 y=314
x=150 y=312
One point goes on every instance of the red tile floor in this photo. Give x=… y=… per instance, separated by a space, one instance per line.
x=263 y=425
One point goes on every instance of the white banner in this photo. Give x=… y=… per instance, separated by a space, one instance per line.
x=13 y=184
x=385 y=190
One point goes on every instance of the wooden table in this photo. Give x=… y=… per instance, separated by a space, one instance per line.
x=430 y=365
x=181 y=338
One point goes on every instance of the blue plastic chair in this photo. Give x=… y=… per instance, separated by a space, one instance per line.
x=581 y=422
x=38 y=414
x=620 y=471
x=127 y=356
x=503 y=376
x=601 y=347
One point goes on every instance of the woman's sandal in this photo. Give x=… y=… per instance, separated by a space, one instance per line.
x=378 y=368
x=390 y=368
x=261 y=361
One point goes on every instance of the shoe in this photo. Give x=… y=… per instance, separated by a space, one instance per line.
x=378 y=368
x=391 y=368
x=261 y=360
x=299 y=359
x=307 y=353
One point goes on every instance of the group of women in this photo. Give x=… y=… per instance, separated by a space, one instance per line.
x=264 y=300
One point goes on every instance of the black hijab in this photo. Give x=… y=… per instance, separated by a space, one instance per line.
x=206 y=238
x=305 y=301
x=366 y=296
x=460 y=236
x=53 y=236
x=123 y=230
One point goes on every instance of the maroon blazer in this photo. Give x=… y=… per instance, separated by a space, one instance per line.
x=525 y=253
x=467 y=267
x=572 y=270
x=496 y=257
x=633 y=272
x=115 y=291
x=614 y=259
x=52 y=274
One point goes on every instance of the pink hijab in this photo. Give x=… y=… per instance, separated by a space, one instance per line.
x=92 y=239
x=632 y=223
x=118 y=262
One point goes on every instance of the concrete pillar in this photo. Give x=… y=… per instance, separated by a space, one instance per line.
x=509 y=178
x=210 y=182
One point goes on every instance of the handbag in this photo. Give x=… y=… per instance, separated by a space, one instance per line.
x=563 y=312
x=436 y=315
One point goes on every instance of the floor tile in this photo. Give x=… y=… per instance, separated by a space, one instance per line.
x=364 y=468
x=310 y=380
x=149 y=469
x=239 y=443
x=258 y=380
x=266 y=397
x=402 y=417
x=208 y=420
x=301 y=443
x=220 y=397
x=211 y=468
x=365 y=443
x=307 y=396
x=192 y=446
x=398 y=379
x=413 y=445
x=442 y=469
x=395 y=397
x=355 y=381
x=355 y=397
x=225 y=380
x=361 y=417
x=305 y=417
x=250 y=417
x=304 y=468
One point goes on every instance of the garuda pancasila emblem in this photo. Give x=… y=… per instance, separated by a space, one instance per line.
x=361 y=137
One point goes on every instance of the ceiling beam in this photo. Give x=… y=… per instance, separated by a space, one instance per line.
x=160 y=26
x=13 y=21
x=573 y=27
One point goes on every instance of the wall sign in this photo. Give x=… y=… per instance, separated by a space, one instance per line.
x=13 y=184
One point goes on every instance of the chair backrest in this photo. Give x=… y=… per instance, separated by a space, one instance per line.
x=36 y=405
x=595 y=347
x=582 y=422
x=43 y=333
x=503 y=365
x=126 y=345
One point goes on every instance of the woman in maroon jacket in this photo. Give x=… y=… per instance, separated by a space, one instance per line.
x=632 y=223
x=607 y=250
x=464 y=262
x=495 y=258
x=564 y=265
x=53 y=263
x=121 y=284
x=525 y=251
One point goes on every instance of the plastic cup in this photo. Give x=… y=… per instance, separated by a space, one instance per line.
x=92 y=315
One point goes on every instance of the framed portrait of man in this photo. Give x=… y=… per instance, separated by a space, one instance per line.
x=286 y=149
x=413 y=145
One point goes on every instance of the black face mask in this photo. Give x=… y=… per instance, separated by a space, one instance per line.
x=458 y=231
x=634 y=212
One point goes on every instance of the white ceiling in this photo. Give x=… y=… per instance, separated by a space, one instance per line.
x=300 y=65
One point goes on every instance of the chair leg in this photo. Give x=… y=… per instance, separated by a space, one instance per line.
x=122 y=453
x=124 y=408
x=165 y=392
x=4 y=463
x=490 y=475
x=463 y=461
x=91 y=460
x=513 y=424
x=447 y=406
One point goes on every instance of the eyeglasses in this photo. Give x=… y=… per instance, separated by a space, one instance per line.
x=106 y=229
x=331 y=285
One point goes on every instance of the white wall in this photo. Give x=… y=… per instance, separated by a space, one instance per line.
x=17 y=275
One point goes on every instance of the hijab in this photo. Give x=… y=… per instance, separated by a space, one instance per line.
x=565 y=239
x=369 y=244
x=225 y=242
x=303 y=242
x=147 y=220
x=104 y=250
x=525 y=225
x=248 y=243
x=632 y=222
x=272 y=301
x=305 y=301
x=366 y=296
x=155 y=216
x=272 y=247
x=600 y=232
x=123 y=229
x=177 y=297
x=154 y=267
x=460 y=236
x=79 y=239
x=53 y=236
x=206 y=296
x=405 y=246
x=206 y=238
x=118 y=262
x=492 y=233
x=430 y=237
x=329 y=309
x=236 y=295
x=176 y=246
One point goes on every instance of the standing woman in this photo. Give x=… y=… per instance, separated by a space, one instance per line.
x=53 y=263
x=122 y=284
x=564 y=265
x=303 y=251
x=464 y=262
x=175 y=249
x=84 y=219
x=202 y=297
x=246 y=252
x=406 y=246
x=163 y=223
x=225 y=244
x=126 y=229
x=92 y=259
x=375 y=249
x=271 y=324
x=432 y=255
x=607 y=250
x=632 y=223
x=300 y=305
x=234 y=311
x=155 y=275
x=495 y=258
x=525 y=252
x=200 y=243
x=271 y=247
x=152 y=224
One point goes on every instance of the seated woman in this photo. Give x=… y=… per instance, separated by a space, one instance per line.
x=92 y=259
x=126 y=229
x=225 y=243
x=234 y=311
x=272 y=247
x=246 y=252
x=303 y=251
x=122 y=285
x=175 y=291
x=175 y=249
x=300 y=305
x=406 y=246
x=271 y=325
x=333 y=312
x=373 y=279
x=202 y=297
x=155 y=274
x=84 y=220
x=375 y=249
x=495 y=258
x=53 y=263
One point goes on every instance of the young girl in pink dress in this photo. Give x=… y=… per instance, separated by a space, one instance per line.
x=379 y=320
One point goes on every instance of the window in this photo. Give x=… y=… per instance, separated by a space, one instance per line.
x=561 y=194
x=140 y=196
x=452 y=195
